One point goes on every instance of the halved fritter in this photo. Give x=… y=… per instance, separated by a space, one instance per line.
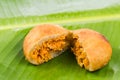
x=92 y=50
x=45 y=42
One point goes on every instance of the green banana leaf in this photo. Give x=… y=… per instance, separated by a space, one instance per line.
x=17 y=17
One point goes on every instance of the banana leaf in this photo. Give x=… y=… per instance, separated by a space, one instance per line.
x=17 y=17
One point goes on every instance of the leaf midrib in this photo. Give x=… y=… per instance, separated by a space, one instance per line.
x=83 y=20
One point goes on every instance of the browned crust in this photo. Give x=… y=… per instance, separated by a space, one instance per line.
x=97 y=48
x=38 y=34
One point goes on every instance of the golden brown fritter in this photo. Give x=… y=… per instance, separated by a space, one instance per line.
x=45 y=42
x=92 y=50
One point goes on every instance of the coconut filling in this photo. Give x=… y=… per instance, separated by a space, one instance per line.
x=80 y=53
x=49 y=49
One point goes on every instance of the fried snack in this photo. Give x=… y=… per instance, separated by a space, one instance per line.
x=45 y=42
x=92 y=50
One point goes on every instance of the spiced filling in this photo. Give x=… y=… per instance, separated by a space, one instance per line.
x=50 y=49
x=79 y=53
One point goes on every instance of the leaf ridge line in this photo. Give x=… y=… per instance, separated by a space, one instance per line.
x=80 y=20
